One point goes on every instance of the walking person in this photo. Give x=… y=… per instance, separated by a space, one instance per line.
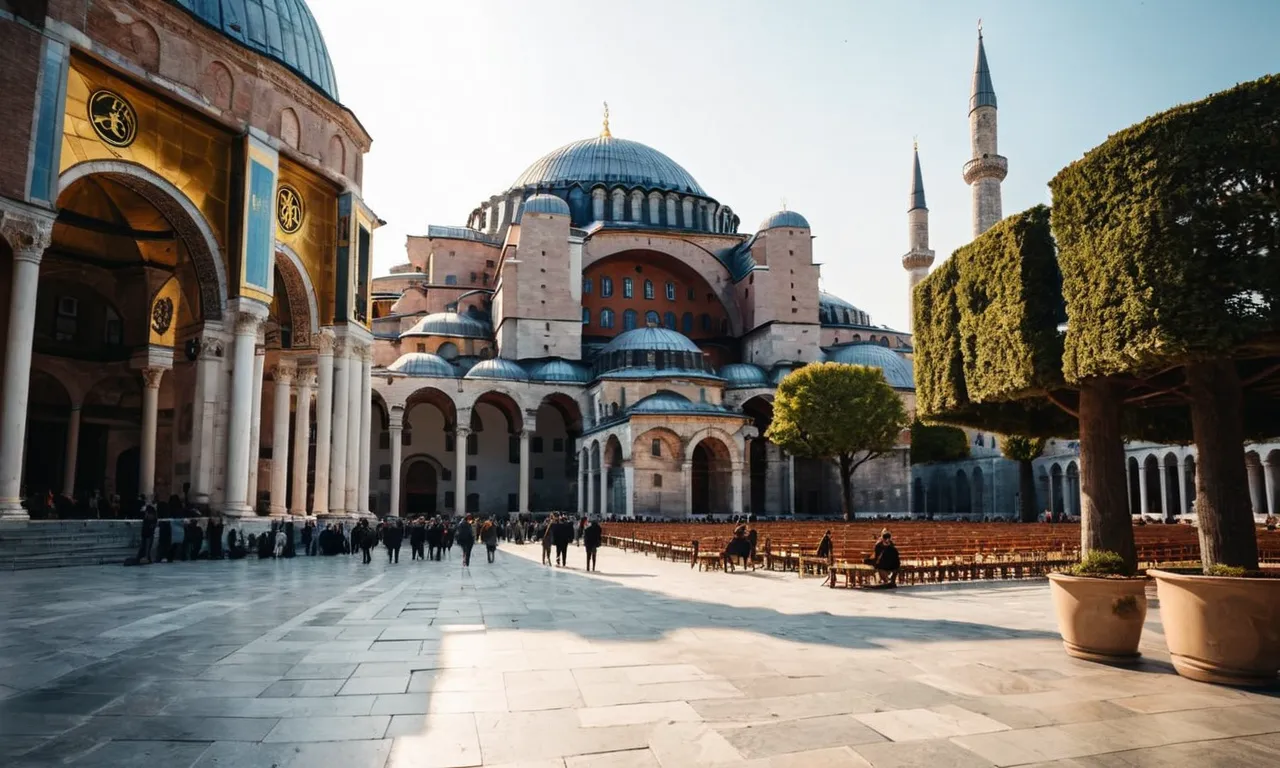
x=545 y=534
x=466 y=538
x=281 y=540
x=435 y=539
x=308 y=535
x=417 y=536
x=392 y=537
x=148 y=535
x=562 y=536
x=591 y=537
x=367 y=540
x=489 y=535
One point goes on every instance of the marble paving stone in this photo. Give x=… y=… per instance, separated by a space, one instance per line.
x=935 y=753
x=798 y=735
x=232 y=754
x=302 y=688
x=632 y=758
x=443 y=741
x=145 y=754
x=526 y=700
x=374 y=685
x=832 y=757
x=636 y=714
x=312 y=729
x=922 y=724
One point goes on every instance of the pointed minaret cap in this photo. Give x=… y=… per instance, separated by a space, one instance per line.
x=984 y=93
x=917 y=180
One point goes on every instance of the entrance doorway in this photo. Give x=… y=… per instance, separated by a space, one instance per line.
x=419 y=490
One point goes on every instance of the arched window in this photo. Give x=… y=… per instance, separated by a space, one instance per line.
x=857 y=337
x=884 y=341
x=686 y=323
x=669 y=320
x=706 y=322
x=847 y=321
x=586 y=316
x=606 y=287
x=586 y=286
x=648 y=289
x=629 y=320
x=652 y=318
x=626 y=288
x=606 y=318
x=671 y=291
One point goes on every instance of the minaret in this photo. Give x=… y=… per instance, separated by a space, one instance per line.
x=917 y=260
x=987 y=168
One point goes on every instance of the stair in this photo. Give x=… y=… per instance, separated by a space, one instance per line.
x=59 y=543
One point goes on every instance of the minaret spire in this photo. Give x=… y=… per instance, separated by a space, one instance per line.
x=986 y=168
x=919 y=258
x=917 y=179
x=604 y=132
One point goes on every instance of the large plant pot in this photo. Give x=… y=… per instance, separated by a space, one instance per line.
x=1221 y=629
x=1100 y=619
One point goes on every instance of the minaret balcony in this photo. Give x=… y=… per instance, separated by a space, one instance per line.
x=986 y=167
x=917 y=259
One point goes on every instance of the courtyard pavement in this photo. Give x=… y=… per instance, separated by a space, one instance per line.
x=317 y=662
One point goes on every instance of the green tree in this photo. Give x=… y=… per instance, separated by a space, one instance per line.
x=1024 y=450
x=937 y=442
x=845 y=413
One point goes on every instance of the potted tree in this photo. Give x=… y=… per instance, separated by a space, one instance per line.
x=1100 y=607
x=1167 y=234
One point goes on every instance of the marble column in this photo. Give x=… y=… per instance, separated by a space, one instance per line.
x=73 y=449
x=1165 y=511
x=255 y=426
x=629 y=495
x=351 y=485
x=460 y=468
x=1185 y=494
x=283 y=376
x=395 y=423
x=204 y=410
x=241 y=412
x=1269 y=482
x=338 y=447
x=791 y=484
x=1255 y=498
x=1143 y=494
x=735 y=482
x=301 y=441
x=366 y=428
x=150 y=413
x=28 y=238
x=584 y=483
x=524 y=470
x=1128 y=485
x=686 y=480
x=324 y=420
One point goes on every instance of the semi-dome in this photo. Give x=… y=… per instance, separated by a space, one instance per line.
x=609 y=160
x=545 y=204
x=651 y=339
x=283 y=30
x=423 y=364
x=833 y=310
x=671 y=402
x=498 y=368
x=450 y=324
x=784 y=219
x=897 y=369
x=558 y=371
x=744 y=376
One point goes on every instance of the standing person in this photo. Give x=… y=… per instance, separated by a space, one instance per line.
x=545 y=534
x=281 y=540
x=164 y=536
x=195 y=539
x=435 y=538
x=417 y=535
x=825 y=548
x=367 y=540
x=591 y=537
x=308 y=533
x=450 y=533
x=489 y=535
x=213 y=532
x=177 y=540
x=392 y=538
x=148 y=535
x=562 y=536
x=466 y=538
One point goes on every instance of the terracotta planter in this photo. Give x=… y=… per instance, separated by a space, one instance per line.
x=1100 y=619
x=1221 y=629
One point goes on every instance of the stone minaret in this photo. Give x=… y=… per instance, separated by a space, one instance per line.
x=987 y=168
x=917 y=260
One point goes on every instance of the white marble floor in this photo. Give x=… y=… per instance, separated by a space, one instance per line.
x=325 y=662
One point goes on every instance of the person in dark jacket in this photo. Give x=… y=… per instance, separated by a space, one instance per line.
x=544 y=534
x=825 y=547
x=194 y=539
x=562 y=537
x=213 y=532
x=148 y=535
x=886 y=560
x=392 y=538
x=417 y=537
x=489 y=535
x=368 y=540
x=164 y=538
x=591 y=537
x=308 y=535
x=465 y=535
x=435 y=539
x=447 y=539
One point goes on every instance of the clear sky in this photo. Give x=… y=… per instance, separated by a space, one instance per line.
x=814 y=102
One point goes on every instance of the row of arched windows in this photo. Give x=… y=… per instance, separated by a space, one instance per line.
x=629 y=317
x=843 y=316
x=628 y=289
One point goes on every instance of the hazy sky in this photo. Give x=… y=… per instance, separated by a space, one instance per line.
x=814 y=102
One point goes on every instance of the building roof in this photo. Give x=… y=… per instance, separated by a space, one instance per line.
x=651 y=339
x=283 y=30
x=832 y=309
x=917 y=183
x=984 y=93
x=897 y=369
x=544 y=204
x=671 y=402
x=423 y=364
x=784 y=219
x=450 y=324
x=744 y=376
x=497 y=368
x=558 y=371
x=609 y=160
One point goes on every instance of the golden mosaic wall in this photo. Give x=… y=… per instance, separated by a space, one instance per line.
x=314 y=240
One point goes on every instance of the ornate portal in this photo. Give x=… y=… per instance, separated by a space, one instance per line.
x=113 y=118
x=289 y=210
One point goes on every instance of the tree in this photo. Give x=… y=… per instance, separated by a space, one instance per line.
x=1024 y=450
x=937 y=442
x=846 y=413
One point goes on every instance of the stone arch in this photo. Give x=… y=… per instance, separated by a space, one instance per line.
x=202 y=246
x=146 y=45
x=671 y=444
x=963 y=494
x=710 y=482
x=303 y=305
x=1151 y=476
x=422 y=488
x=337 y=158
x=290 y=129
x=220 y=85
x=1071 y=491
x=568 y=408
x=979 y=492
x=1056 y=499
x=1170 y=483
x=507 y=404
x=1189 y=481
x=436 y=398
x=719 y=434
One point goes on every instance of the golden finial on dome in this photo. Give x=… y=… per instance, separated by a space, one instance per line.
x=915 y=143
x=604 y=132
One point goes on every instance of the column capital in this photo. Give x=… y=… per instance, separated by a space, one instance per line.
x=151 y=377
x=284 y=371
x=306 y=377
x=28 y=230
x=209 y=347
x=461 y=431
x=341 y=346
x=324 y=341
x=248 y=323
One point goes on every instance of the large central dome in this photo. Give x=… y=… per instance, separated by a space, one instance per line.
x=608 y=160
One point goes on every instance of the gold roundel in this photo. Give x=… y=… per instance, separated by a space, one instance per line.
x=289 y=209
x=113 y=118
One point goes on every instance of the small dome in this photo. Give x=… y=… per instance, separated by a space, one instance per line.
x=833 y=310
x=784 y=219
x=557 y=371
x=498 y=368
x=423 y=364
x=780 y=372
x=744 y=376
x=897 y=369
x=671 y=402
x=450 y=324
x=607 y=160
x=545 y=204
x=655 y=339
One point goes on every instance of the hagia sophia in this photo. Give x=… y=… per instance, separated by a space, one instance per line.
x=186 y=276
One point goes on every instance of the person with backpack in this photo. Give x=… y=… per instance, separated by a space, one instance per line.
x=465 y=535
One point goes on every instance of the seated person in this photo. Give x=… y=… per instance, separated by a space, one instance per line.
x=885 y=560
x=825 y=547
x=739 y=546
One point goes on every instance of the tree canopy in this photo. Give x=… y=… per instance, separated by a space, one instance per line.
x=937 y=442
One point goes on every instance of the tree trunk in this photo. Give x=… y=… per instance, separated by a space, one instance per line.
x=846 y=487
x=1027 y=512
x=1104 y=504
x=1227 y=536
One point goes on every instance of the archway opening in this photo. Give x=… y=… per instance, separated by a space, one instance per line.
x=1172 y=485
x=429 y=421
x=420 y=489
x=593 y=502
x=1059 y=505
x=616 y=477
x=979 y=493
x=553 y=474
x=964 y=495
x=918 y=498
x=710 y=484
x=1135 y=486
x=1151 y=470
x=760 y=500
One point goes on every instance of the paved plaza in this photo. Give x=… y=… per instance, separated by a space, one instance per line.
x=325 y=662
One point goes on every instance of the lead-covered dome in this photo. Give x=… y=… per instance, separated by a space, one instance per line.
x=497 y=368
x=784 y=219
x=422 y=364
x=897 y=369
x=609 y=160
x=283 y=30
x=450 y=324
x=651 y=339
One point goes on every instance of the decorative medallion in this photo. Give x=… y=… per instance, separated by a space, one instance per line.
x=289 y=211
x=113 y=118
x=162 y=315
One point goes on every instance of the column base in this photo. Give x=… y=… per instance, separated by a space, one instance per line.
x=277 y=512
x=238 y=510
x=13 y=510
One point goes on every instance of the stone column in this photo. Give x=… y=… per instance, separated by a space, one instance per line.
x=524 y=470
x=366 y=428
x=395 y=421
x=301 y=441
x=1142 y=488
x=338 y=447
x=283 y=376
x=1255 y=500
x=1164 y=489
x=1269 y=482
x=791 y=484
x=73 y=449
x=241 y=411
x=351 y=485
x=735 y=481
x=255 y=426
x=629 y=479
x=584 y=484
x=324 y=420
x=150 y=412
x=686 y=480
x=28 y=236
x=204 y=409
x=460 y=467
x=1128 y=485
